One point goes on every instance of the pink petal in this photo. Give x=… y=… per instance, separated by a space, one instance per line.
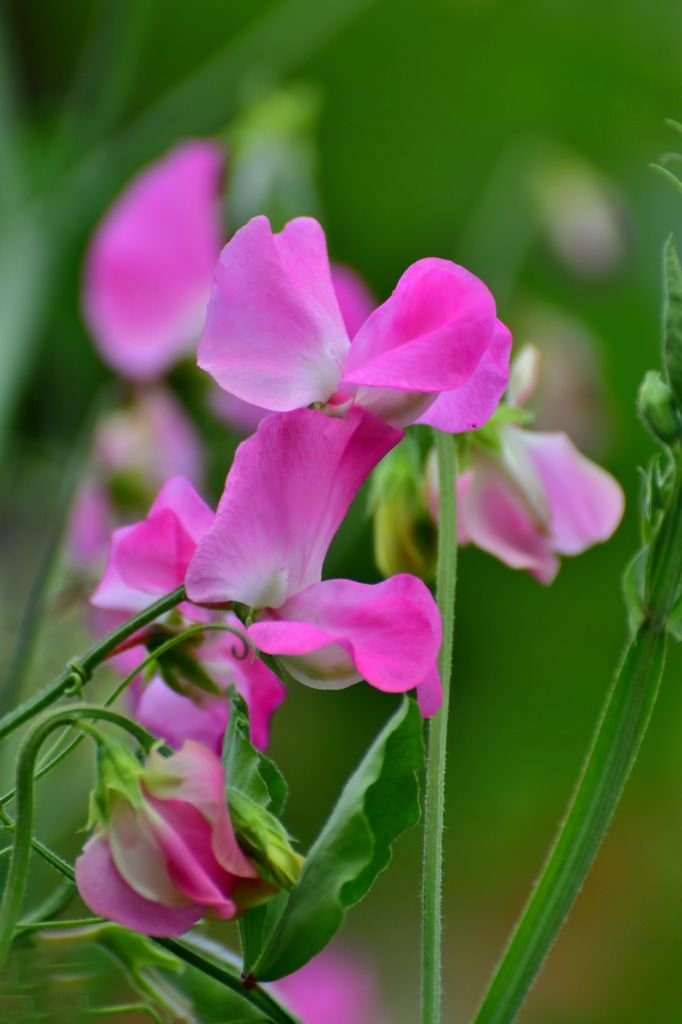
x=195 y=776
x=430 y=694
x=355 y=300
x=106 y=894
x=138 y=857
x=586 y=503
x=429 y=336
x=494 y=515
x=274 y=335
x=333 y=988
x=174 y=718
x=241 y=416
x=149 y=268
x=151 y=557
x=89 y=525
x=471 y=405
x=285 y=497
x=390 y=633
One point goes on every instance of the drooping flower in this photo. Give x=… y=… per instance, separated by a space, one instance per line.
x=529 y=497
x=275 y=336
x=285 y=497
x=164 y=852
x=146 y=561
x=149 y=268
x=333 y=988
x=136 y=448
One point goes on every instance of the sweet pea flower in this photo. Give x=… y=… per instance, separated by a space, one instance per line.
x=356 y=302
x=149 y=268
x=285 y=497
x=136 y=448
x=164 y=852
x=275 y=336
x=333 y=988
x=528 y=496
x=147 y=560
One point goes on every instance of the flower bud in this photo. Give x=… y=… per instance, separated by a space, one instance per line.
x=266 y=840
x=405 y=539
x=657 y=408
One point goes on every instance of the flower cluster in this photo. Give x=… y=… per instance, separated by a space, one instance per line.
x=325 y=381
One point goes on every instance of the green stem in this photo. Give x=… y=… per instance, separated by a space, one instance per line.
x=434 y=811
x=81 y=668
x=55 y=756
x=619 y=734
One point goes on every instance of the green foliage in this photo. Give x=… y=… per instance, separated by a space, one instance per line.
x=672 y=319
x=378 y=803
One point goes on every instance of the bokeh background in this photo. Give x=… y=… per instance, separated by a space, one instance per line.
x=514 y=136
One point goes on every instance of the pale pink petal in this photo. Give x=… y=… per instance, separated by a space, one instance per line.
x=107 y=895
x=390 y=633
x=429 y=336
x=241 y=416
x=495 y=516
x=89 y=525
x=148 y=272
x=586 y=503
x=195 y=775
x=356 y=301
x=285 y=497
x=471 y=405
x=138 y=856
x=524 y=376
x=274 y=335
x=185 y=838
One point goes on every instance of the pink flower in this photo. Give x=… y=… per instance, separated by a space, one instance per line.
x=334 y=988
x=150 y=559
x=285 y=497
x=148 y=272
x=275 y=336
x=136 y=449
x=164 y=853
x=356 y=302
x=532 y=496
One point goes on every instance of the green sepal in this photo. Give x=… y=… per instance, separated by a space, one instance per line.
x=378 y=803
x=657 y=408
x=178 y=667
x=672 y=319
x=263 y=837
x=247 y=770
x=118 y=778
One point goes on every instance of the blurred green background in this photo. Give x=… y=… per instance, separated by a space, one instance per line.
x=513 y=137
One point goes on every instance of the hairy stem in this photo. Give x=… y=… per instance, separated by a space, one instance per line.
x=434 y=812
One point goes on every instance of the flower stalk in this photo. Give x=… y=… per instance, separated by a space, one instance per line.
x=434 y=810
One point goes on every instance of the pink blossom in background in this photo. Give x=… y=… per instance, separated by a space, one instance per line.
x=356 y=302
x=135 y=450
x=146 y=561
x=535 y=497
x=275 y=335
x=285 y=497
x=334 y=988
x=165 y=854
x=149 y=267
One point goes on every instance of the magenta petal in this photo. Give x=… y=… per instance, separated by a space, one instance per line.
x=149 y=269
x=174 y=718
x=429 y=336
x=153 y=556
x=356 y=301
x=586 y=503
x=471 y=405
x=390 y=631
x=274 y=335
x=106 y=894
x=285 y=497
x=430 y=694
x=495 y=517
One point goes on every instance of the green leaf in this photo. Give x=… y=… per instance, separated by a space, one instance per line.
x=247 y=770
x=378 y=803
x=672 y=319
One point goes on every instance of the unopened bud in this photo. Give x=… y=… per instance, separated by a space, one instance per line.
x=405 y=538
x=262 y=836
x=657 y=408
